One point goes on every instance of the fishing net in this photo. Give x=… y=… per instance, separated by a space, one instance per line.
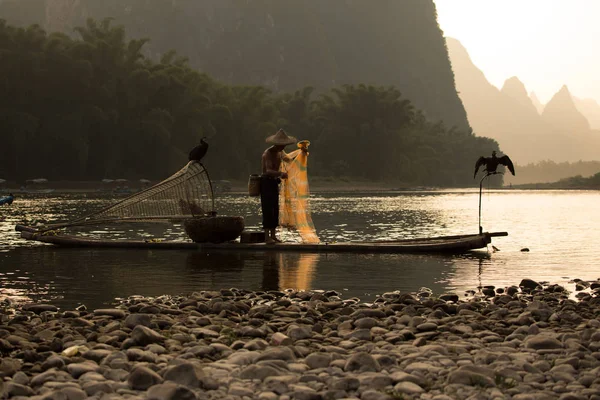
x=187 y=193
x=294 y=210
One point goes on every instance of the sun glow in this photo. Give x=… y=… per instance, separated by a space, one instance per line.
x=545 y=43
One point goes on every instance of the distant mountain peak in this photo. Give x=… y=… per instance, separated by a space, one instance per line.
x=457 y=46
x=561 y=111
x=515 y=89
x=562 y=97
x=564 y=91
x=512 y=116
x=513 y=86
x=460 y=53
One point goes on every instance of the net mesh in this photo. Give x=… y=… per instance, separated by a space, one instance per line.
x=187 y=193
x=294 y=210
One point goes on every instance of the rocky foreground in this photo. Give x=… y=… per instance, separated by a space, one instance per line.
x=526 y=342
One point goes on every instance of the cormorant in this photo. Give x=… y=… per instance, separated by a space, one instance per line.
x=491 y=163
x=199 y=151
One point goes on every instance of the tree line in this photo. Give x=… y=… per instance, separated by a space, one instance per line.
x=547 y=171
x=96 y=107
x=283 y=45
x=573 y=182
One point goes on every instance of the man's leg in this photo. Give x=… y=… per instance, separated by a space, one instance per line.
x=270 y=236
x=269 y=197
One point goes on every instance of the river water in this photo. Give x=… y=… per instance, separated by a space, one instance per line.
x=560 y=228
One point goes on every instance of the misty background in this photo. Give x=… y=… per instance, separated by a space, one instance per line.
x=124 y=88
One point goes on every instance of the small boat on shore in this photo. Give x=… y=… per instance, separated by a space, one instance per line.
x=440 y=244
x=7 y=200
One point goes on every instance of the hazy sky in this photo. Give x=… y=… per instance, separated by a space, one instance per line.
x=545 y=43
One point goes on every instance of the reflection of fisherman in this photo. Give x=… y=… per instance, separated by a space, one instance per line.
x=269 y=182
x=270 y=274
x=8 y=200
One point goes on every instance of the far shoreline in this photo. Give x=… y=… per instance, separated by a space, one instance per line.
x=317 y=185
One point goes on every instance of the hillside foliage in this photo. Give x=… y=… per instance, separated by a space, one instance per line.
x=96 y=107
x=282 y=45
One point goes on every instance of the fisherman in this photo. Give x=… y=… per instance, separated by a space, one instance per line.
x=269 y=182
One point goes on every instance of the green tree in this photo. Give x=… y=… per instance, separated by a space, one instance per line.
x=96 y=106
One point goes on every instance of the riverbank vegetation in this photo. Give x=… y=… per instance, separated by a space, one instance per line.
x=93 y=107
x=548 y=171
x=574 y=182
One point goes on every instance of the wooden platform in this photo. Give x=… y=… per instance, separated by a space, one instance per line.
x=440 y=244
x=80 y=241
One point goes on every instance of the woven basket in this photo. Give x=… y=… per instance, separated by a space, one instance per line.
x=214 y=229
x=254 y=185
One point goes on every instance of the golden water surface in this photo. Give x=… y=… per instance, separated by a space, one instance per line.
x=558 y=227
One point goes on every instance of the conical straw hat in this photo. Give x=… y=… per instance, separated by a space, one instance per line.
x=281 y=139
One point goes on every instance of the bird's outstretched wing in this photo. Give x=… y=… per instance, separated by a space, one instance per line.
x=504 y=160
x=479 y=163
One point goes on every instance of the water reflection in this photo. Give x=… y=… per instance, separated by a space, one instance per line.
x=68 y=277
x=367 y=217
x=558 y=226
x=279 y=271
x=297 y=273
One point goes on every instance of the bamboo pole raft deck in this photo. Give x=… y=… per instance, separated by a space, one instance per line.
x=440 y=244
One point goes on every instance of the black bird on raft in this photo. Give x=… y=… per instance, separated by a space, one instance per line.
x=199 y=151
x=491 y=164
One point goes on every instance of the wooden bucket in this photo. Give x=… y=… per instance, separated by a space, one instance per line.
x=254 y=185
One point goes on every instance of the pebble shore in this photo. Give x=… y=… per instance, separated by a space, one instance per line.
x=523 y=342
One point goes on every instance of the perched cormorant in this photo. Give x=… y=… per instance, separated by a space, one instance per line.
x=199 y=151
x=491 y=163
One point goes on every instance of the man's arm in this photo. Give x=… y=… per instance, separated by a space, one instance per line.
x=292 y=156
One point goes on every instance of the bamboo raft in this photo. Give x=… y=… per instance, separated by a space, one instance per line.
x=440 y=244
x=187 y=196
